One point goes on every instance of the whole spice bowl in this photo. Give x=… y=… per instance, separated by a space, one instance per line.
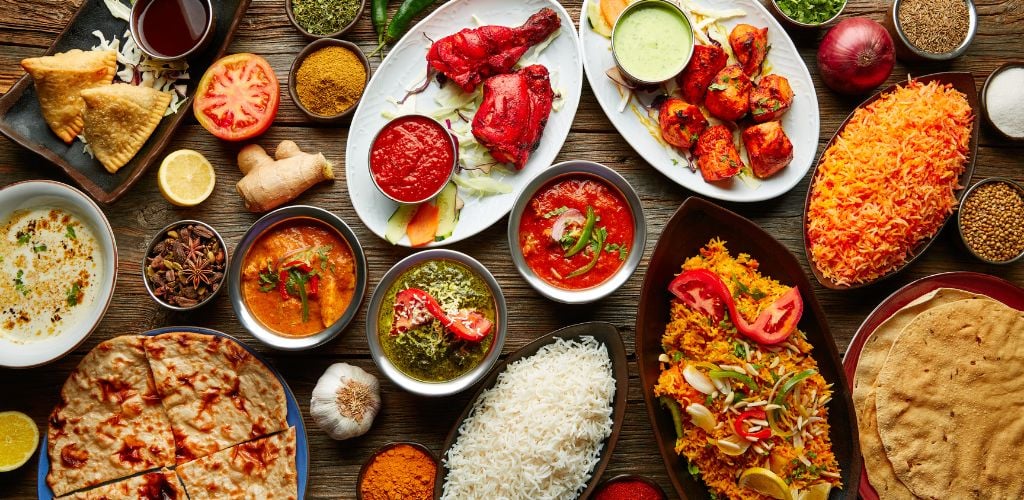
x=404 y=468
x=327 y=80
x=297 y=278
x=629 y=487
x=932 y=30
x=817 y=14
x=324 y=18
x=1004 y=92
x=183 y=268
x=991 y=220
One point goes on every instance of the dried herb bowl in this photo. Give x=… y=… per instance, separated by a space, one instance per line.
x=208 y=263
x=290 y=9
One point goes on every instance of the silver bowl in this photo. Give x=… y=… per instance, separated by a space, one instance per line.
x=640 y=5
x=773 y=6
x=234 y=277
x=462 y=382
x=960 y=212
x=567 y=169
x=455 y=158
x=152 y=243
x=908 y=52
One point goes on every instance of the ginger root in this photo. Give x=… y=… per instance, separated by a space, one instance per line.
x=270 y=182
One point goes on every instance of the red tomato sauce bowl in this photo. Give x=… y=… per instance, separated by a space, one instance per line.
x=577 y=232
x=412 y=158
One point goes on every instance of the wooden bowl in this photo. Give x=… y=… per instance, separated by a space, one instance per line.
x=695 y=223
x=382 y=449
x=336 y=34
x=984 y=103
x=962 y=81
x=297 y=63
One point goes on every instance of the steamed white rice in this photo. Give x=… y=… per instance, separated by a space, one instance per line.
x=538 y=433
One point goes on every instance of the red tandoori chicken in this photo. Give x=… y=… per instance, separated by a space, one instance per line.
x=750 y=45
x=706 y=62
x=472 y=55
x=770 y=99
x=513 y=113
x=768 y=148
x=729 y=94
x=681 y=123
x=717 y=157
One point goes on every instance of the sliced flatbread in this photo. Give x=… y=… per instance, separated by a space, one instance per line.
x=161 y=485
x=872 y=357
x=264 y=468
x=214 y=391
x=119 y=119
x=950 y=402
x=109 y=423
x=60 y=79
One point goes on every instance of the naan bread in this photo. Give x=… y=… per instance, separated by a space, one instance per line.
x=264 y=469
x=161 y=485
x=214 y=391
x=119 y=119
x=950 y=402
x=59 y=80
x=109 y=423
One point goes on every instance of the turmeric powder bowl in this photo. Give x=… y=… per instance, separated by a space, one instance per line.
x=405 y=469
x=327 y=80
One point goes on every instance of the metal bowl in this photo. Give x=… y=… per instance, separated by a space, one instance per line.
x=382 y=449
x=462 y=382
x=336 y=34
x=908 y=52
x=773 y=6
x=630 y=477
x=156 y=239
x=568 y=169
x=960 y=212
x=234 y=277
x=140 y=6
x=455 y=159
x=984 y=99
x=639 y=5
x=297 y=62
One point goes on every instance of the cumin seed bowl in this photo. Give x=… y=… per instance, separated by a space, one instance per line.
x=314 y=46
x=908 y=52
x=148 y=281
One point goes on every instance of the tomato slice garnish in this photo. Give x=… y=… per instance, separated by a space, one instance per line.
x=470 y=325
x=704 y=291
x=775 y=323
x=414 y=306
x=410 y=310
x=238 y=97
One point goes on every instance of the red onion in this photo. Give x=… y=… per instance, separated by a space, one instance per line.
x=855 y=56
x=571 y=216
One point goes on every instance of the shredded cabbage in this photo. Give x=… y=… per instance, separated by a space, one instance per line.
x=481 y=185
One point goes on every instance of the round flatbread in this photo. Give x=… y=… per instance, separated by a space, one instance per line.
x=950 y=402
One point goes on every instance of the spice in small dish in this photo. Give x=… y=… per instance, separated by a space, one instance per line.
x=629 y=488
x=992 y=221
x=324 y=17
x=810 y=11
x=1004 y=100
x=330 y=81
x=936 y=26
x=186 y=265
x=399 y=471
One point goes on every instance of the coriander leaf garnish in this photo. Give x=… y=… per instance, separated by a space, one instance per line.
x=23 y=238
x=73 y=294
x=69 y=231
x=556 y=212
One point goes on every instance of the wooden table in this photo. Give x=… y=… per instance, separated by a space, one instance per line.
x=27 y=28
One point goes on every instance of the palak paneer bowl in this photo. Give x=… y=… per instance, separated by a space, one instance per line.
x=297 y=278
x=436 y=322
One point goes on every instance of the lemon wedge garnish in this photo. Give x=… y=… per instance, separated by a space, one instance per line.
x=19 y=437
x=186 y=178
x=817 y=491
x=765 y=482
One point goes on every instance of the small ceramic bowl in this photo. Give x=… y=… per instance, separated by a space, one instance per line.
x=908 y=52
x=382 y=449
x=984 y=99
x=156 y=239
x=642 y=4
x=773 y=6
x=32 y=194
x=139 y=7
x=574 y=168
x=462 y=382
x=455 y=159
x=336 y=34
x=630 y=477
x=234 y=275
x=960 y=212
x=297 y=63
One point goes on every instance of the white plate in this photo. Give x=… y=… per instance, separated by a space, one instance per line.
x=801 y=123
x=406 y=64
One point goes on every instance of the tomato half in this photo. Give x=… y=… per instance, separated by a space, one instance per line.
x=237 y=98
x=414 y=306
x=704 y=291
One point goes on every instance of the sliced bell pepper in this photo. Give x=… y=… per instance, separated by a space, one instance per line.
x=588 y=229
x=788 y=385
x=757 y=414
x=742 y=377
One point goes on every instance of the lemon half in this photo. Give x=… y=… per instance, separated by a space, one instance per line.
x=19 y=437
x=186 y=178
x=765 y=482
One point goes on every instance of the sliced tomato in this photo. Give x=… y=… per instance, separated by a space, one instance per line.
x=410 y=310
x=775 y=323
x=470 y=325
x=704 y=291
x=414 y=306
x=237 y=98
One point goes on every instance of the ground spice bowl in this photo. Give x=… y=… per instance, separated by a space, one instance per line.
x=960 y=212
x=984 y=102
x=313 y=36
x=157 y=238
x=382 y=449
x=630 y=477
x=907 y=52
x=297 y=62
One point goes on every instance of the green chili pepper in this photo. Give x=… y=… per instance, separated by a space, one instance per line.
x=588 y=228
x=790 y=384
x=598 y=245
x=379 y=16
x=403 y=18
x=747 y=381
x=677 y=414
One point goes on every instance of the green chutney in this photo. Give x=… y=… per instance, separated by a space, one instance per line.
x=428 y=352
x=652 y=41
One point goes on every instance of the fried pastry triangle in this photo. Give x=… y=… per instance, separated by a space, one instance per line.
x=118 y=120
x=59 y=80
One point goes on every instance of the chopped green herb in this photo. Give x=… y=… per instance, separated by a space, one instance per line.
x=73 y=293
x=556 y=212
x=38 y=248
x=268 y=280
x=322 y=254
x=709 y=401
x=810 y=11
x=323 y=17
x=23 y=238
x=19 y=284
x=718 y=86
x=694 y=471
x=69 y=231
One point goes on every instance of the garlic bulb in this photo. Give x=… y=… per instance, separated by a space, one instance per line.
x=345 y=401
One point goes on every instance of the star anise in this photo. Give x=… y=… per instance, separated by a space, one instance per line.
x=197 y=272
x=194 y=248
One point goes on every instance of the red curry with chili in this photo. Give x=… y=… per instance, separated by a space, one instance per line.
x=412 y=158
x=576 y=232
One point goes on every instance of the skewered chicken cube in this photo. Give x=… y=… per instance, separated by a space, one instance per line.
x=750 y=45
x=717 y=157
x=706 y=62
x=728 y=95
x=768 y=148
x=681 y=123
x=770 y=99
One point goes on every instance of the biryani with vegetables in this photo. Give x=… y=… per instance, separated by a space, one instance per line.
x=746 y=397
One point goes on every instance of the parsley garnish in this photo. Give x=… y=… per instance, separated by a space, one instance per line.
x=38 y=248
x=694 y=471
x=69 y=231
x=19 y=284
x=73 y=293
x=268 y=280
x=23 y=238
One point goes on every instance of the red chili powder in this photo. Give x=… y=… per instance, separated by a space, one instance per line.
x=629 y=489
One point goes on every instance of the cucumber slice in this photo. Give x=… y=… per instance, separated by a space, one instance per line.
x=398 y=222
x=597 y=22
x=446 y=203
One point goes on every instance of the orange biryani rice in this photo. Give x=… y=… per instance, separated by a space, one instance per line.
x=803 y=460
x=887 y=182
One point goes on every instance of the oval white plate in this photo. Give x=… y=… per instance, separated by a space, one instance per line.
x=801 y=123
x=406 y=65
